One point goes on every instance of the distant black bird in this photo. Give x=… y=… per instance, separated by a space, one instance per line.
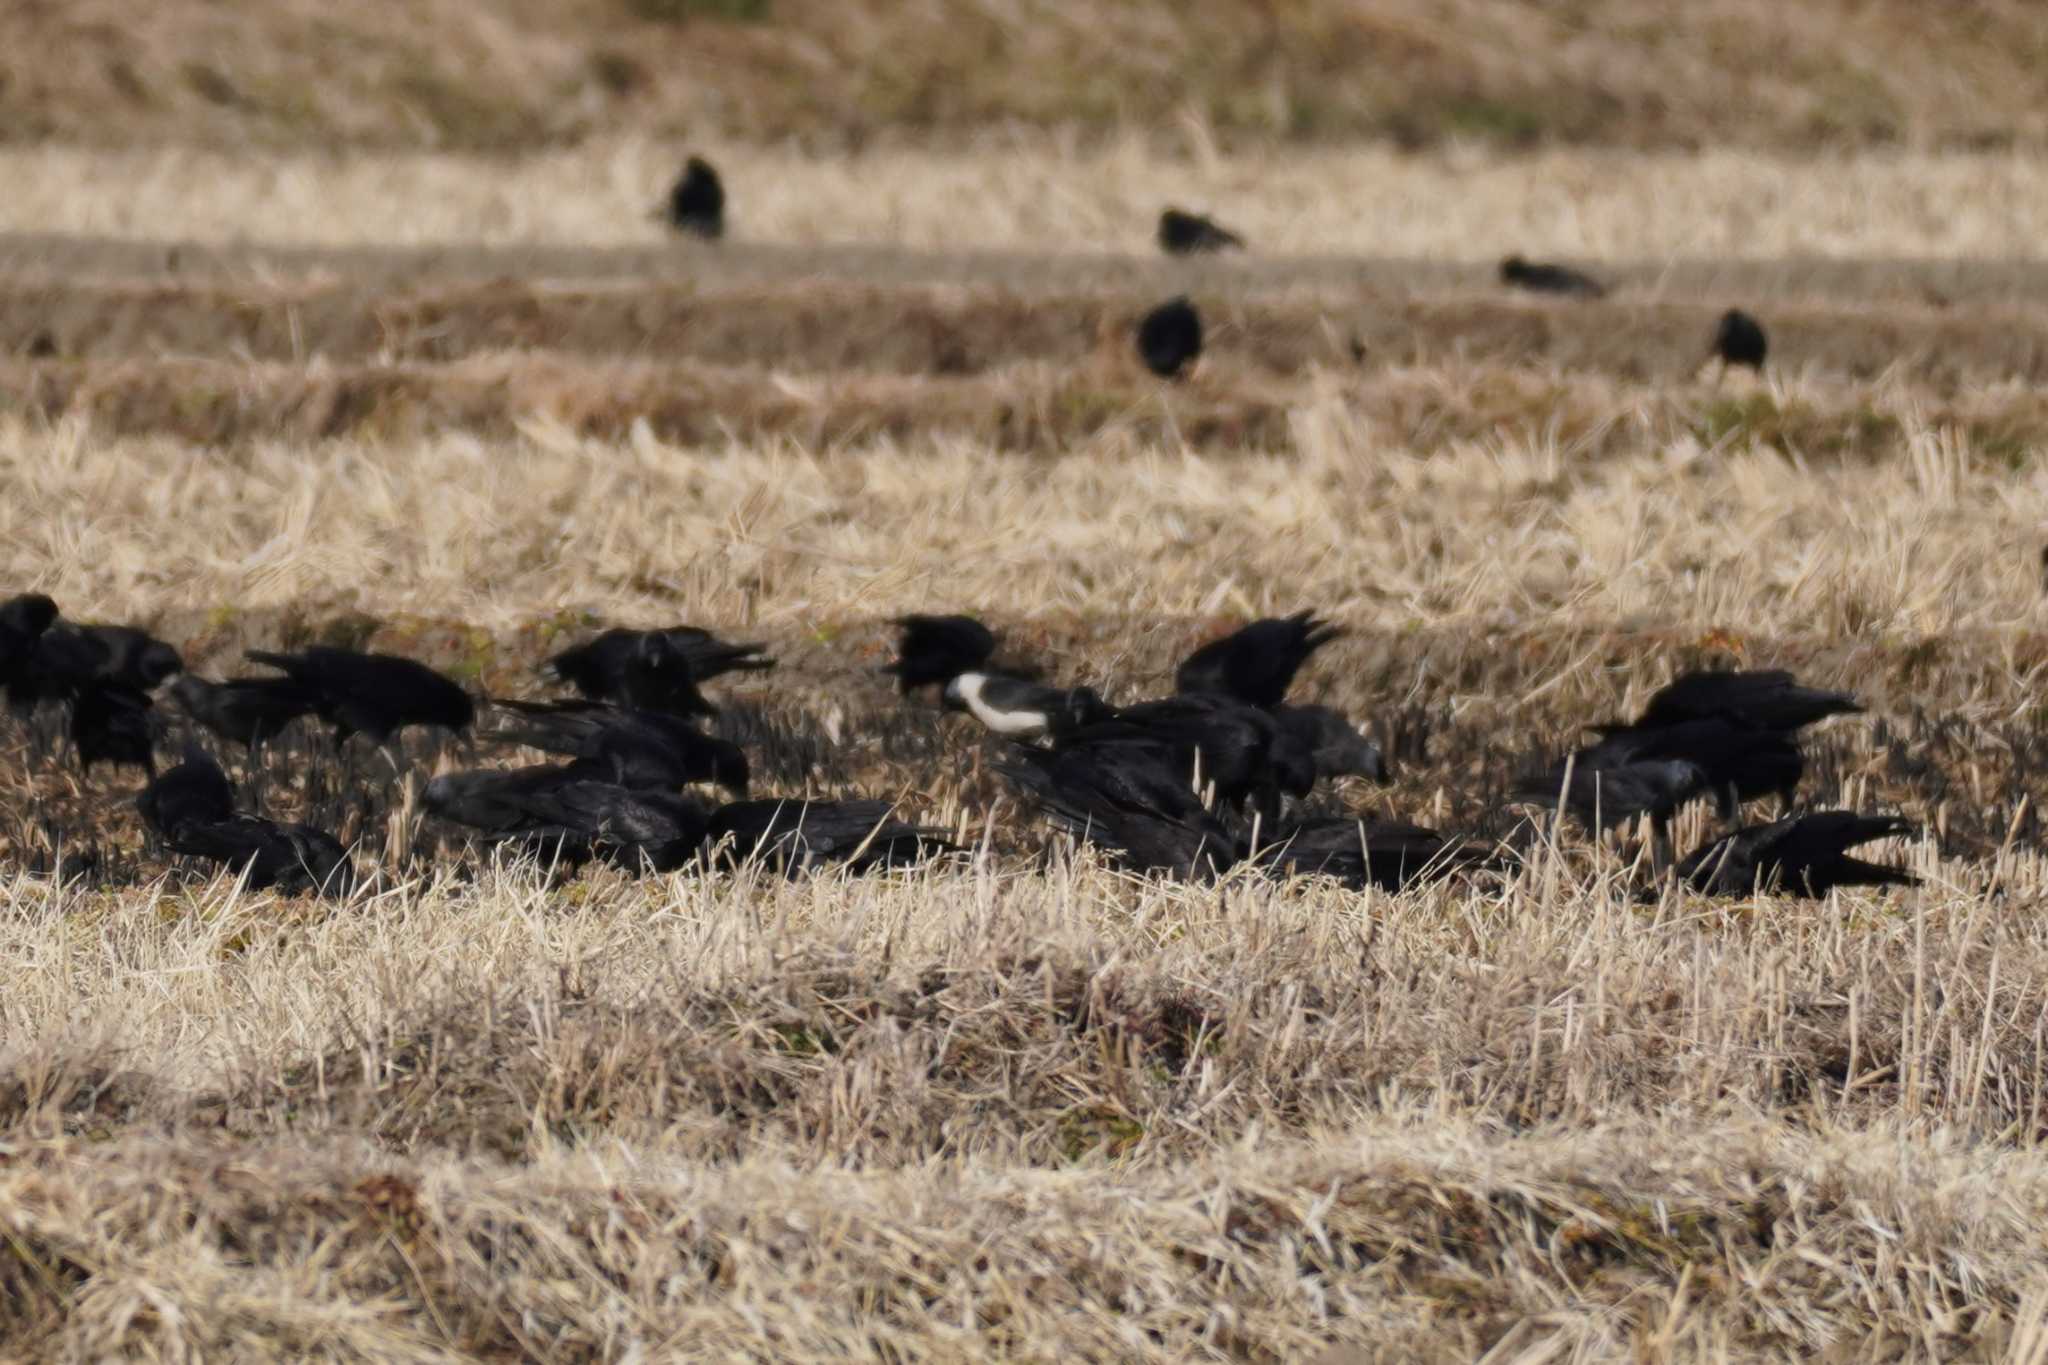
x=1549 y=279
x=1170 y=338
x=696 y=202
x=793 y=836
x=1134 y=801
x=644 y=750
x=604 y=668
x=113 y=724
x=1182 y=233
x=1018 y=708
x=1739 y=340
x=245 y=711
x=195 y=792
x=1338 y=748
x=1767 y=699
x=935 y=649
x=23 y=619
x=1804 y=855
x=1255 y=664
x=1382 y=853
x=374 y=694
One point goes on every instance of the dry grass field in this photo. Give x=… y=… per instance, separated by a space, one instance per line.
x=1020 y=1105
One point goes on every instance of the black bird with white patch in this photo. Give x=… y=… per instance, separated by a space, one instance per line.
x=1018 y=708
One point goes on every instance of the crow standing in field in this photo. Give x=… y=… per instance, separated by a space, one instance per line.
x=1257 y=663
x=191 y=808
x=603 y=668
x=569 y=813
x=245 y=711
x=1540 y=278
x=1336 y=746
x=1738 y=340
x=696 y=202
x=1239 y=750
x=1170 y=338
x=1768 y=699
x=23 y=619
x=113 y=724
x=68 y=658
x=1134 y=801
x=1803 y=855
x=1182 y=234
x=937 y=649
x=1731 y=735
x=643 y=750
x=1136 y=804
x=373 y=694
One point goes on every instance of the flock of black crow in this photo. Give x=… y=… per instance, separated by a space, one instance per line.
x=1169 y=337
x=1210 y=778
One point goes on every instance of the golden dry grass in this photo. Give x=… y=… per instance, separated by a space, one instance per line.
x=1018 y=1106
x=841 y=72
x=1036 y=194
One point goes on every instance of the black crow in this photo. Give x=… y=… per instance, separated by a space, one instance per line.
x=1549 y=279
x=1382 y=853
x=1767 y=699
x=374 y=694
x=293 y=859
x=1133 y=801
x=1736 y=762
x=192 y=808
x=935 y=649
x=68 y=658
x=245 y=711
x=1182 y=233
x=660 y=829
x=113 y=724
x=793 y=835
x=1240 y=750
x=600 y=668
x=1804 y=855
x=1338 y=748
x=488 y=799
x=23 y=619
x=1739 y=340
x=1255 y=664
x=195 y=792
x=1018 y=708
x=1170 y=338
x=646 y=750
x=696 y=202
x=1607 y=789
